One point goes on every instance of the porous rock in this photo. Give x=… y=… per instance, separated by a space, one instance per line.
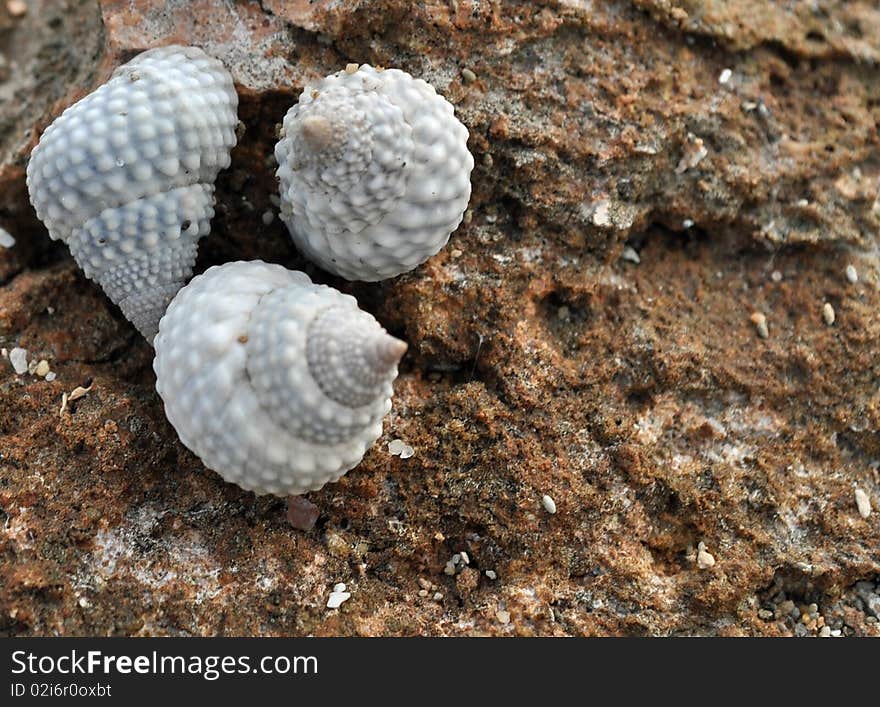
x=637 y=396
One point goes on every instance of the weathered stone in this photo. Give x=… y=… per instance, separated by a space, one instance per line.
x=635 y=394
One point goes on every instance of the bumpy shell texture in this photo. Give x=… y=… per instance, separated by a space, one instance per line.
x=126 y=175
x=374 y=172
x=277 y=384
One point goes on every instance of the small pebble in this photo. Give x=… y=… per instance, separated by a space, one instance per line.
x=468 y=75
x=6 y=239
x=302 y=514
x=776 y=276
x=336 y=599
x=79 y=392
x=852 y=275
x=399 y=448
x=765 y=614
x=455 y=253
x=694 y=152
x=491 y=574
x=339 y=587
x=828 y=313
x=16 y=8
x=725 y=76
x=42 y=368
x=50 y=376
x=705 y=560
x=437 y=596
x=465 y=558
x=687 y=223
x=351 y=68
x=863 y=503
x=760 y=322
x=825 y=632
x=630 y=255
x=268 y=217
x=502 y=616
x=18 y=359
x=423 y=592
x=549 y=504
x=602 y=214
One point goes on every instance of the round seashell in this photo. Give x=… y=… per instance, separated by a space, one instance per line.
x=125 y=176
x=277 y=384
x=374 y=172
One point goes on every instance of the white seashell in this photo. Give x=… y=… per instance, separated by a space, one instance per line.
x=374 y=172
x=277 y=384
x=126 y=175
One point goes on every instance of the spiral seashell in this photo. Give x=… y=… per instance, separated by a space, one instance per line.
x=277 y=384
x=374 y=172
x=126 y=175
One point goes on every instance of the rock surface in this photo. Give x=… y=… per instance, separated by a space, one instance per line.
x=731 y=148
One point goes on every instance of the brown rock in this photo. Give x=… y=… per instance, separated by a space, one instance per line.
x=636 y=395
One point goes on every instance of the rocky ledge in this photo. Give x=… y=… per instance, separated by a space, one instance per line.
x=641 y=395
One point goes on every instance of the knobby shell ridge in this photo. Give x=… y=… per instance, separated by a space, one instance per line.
x=276 y=383
x=374 y=172
x=125 y=176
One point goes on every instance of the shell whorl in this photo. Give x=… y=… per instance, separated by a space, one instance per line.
x=374 y=172
x=126 y=175
x=276 y=383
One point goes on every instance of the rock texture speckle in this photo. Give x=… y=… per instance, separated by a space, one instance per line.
x=637 y=395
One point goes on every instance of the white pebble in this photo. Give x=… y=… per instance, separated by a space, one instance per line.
x=776 y=276
x=705 y=559
x=725 y=76
x=630 y=255
x=399 y=448
x=863 y=503
x=465 y=559
x=760 y=322
x=852 y=275
x=6 y=239
x=50 y=376
x=491 y=574
x=602 y=214
x=268 y=217
x=18 y=359
x=549 y=504
x=339 y=587
x=687 y=223
x=42 y=368
x=828 y=313
x=336 y=599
